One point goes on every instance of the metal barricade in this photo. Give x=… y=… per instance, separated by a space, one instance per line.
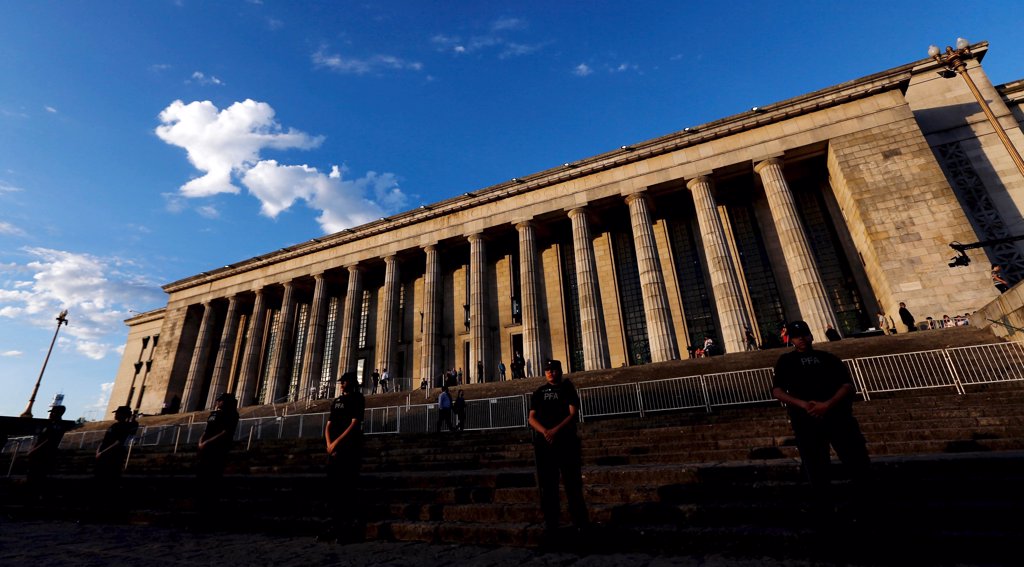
x=908 y=371
x=496 y=413
x=982 y=364
x=673 y=394
x=739 y=387
x=617 y=399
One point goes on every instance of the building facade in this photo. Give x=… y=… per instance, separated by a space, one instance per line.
x=828 y=207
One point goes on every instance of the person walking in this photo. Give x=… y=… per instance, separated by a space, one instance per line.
x=998 y=280
x=376 y=381
x=553 y=415
x=501 y=370
x=749 y=339
x=832 y=334
x=343 y=436
x=459 y=407
x=907 y=317
x=444 y=409
x=818 y=393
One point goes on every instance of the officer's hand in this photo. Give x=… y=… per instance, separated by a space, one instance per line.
x=817 y=409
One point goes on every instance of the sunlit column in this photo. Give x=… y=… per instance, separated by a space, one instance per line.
x=225 y=350
x=595 y=342
x=194 y=383
x=652 y=282
x=277 y=385
x=533 y=350
x=350 y=324
x=728 y=300
x=389 y=308
x=313 y=355
x=477 y=307
x=253 y=348
x=815 y=308
x=431 y=307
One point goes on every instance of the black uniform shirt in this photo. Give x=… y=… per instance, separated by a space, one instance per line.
x=551 y=402
x=344 y=409
x=51 y=434
x=811 y=376
x=221 y=420
x=118 y=433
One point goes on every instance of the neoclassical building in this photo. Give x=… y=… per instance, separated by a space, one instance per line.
x=829 y=207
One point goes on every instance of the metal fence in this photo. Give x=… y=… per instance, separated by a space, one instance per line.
x=946 y=368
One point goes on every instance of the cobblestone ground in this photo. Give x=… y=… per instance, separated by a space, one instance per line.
x=43 y=544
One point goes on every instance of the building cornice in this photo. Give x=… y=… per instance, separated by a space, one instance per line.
x=897 y=78
x=147 y=317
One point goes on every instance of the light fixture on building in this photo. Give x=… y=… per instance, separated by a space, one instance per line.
x=62 y=319
x=954 y=62
x=757 y=109
x=626 y=148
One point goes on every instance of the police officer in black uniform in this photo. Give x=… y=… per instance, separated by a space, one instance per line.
x=42 y=457
x=214 y=445
x=344 y=439
x=818 y=392
x=553 y=411
x=111 y=454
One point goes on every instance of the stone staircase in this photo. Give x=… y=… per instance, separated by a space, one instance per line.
x=948 y=475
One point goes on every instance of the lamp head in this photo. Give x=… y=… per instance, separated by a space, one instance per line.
x=961 y=43
x=933 y=51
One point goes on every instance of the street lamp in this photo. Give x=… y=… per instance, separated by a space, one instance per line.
x=62 y=319
x=953 y=61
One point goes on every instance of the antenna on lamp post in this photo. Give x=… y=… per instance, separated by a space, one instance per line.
x=62 y=319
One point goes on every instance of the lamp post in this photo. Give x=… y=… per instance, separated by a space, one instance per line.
x=62 y=319
x=953 y=61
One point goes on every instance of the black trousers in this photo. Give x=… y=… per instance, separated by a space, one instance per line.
x=444 y=416
x=841 y=432
x=560 y=458
x=343 y=483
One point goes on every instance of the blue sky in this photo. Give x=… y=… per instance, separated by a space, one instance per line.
x=144 y=142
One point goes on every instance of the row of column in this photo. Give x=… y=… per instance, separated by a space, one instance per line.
x=733 y=317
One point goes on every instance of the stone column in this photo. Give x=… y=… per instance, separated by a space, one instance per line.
x=277 y=385
x=533 y=350
x=389 y=308
x=595 y=342
x=226 y=349
x=350 y=322
x=313 y=357
x=477 y=307
x=811 y=297
x=251 y=358
x=431 y=308
x=652 y=282
x=732 y=316
x=193 y=384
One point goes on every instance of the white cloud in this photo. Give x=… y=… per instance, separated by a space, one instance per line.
x=11 y=353
x=96 y=291
x=343 y=203
x=622 y=67
x=362 y=66
x=8 y=228
x=496 y=39
x=50 y=109
x=210 y=138
x=208 y=211
x=101 y=401
x=8 y=188
x=504 y=24
x=220 y=142
x=582 y=70
x=202 y=79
